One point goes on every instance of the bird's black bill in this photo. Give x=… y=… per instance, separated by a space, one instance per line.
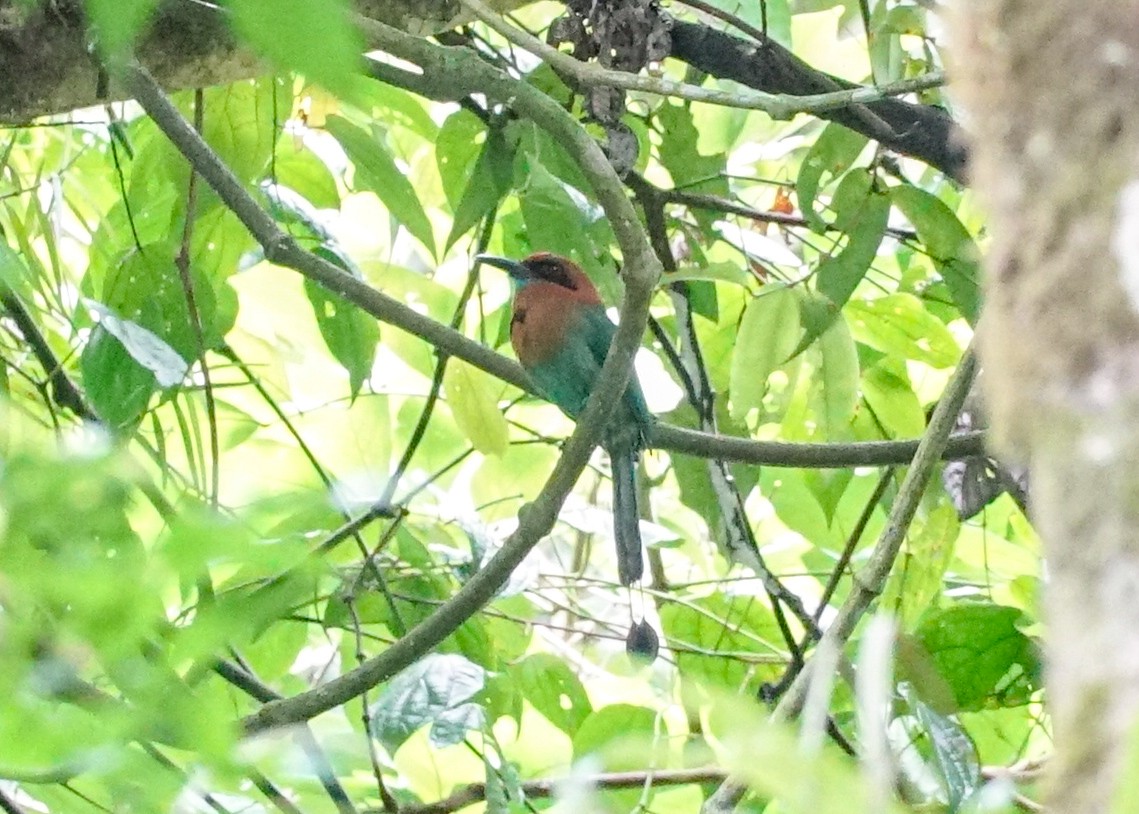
x=511 y=267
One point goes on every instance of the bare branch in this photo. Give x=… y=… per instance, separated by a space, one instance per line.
x=776 y=105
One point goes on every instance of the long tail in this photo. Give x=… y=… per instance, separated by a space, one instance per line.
x=626 y=518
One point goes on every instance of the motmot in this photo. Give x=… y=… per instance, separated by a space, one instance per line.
x=561 y=334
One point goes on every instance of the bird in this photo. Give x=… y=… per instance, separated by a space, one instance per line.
x=561 y=334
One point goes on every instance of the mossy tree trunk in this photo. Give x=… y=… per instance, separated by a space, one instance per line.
x=1049 y=90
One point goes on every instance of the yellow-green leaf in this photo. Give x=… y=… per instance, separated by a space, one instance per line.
x=768 y=334
x=473 y=397
x=900 y=324
x=838 y=375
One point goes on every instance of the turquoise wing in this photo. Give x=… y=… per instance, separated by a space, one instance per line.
x=567 y=377
x=599 y=331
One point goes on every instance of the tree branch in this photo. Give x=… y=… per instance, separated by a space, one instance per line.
x=776 y=105
x=543 y=789
x=439 y=66
x=280 y=248
x=46 y=67
x=63 y=390
x=869 y=582
x=921 y=131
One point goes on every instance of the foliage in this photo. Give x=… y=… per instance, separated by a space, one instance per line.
x=278 y=489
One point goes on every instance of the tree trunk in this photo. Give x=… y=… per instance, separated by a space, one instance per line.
x=1049 y=89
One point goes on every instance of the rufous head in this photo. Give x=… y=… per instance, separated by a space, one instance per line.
x=541 y=267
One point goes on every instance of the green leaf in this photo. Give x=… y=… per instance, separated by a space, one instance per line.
x=831 y=154
x=298 y=217
x=14 y=274
x=892 y=399
x=435 y=690
x=980 y=652
x=949 y=244
x=552 y=688
x=796 y=502
x=828 y=486
x=768 y=333
x=489 y=181
x=560 y=219
x=954 y=753
x=239 y=124
x=838 y=377
x=399 y=108
x=350 y=334
x=898 y=324
x=216 y=249
x=286 y=31
x=681 y=156
x=302 y=171
x=862 y=213
x=456 y=150
x=146 y=288
x=376 y=170
x=816 y=314
x=116 y=23
x=145 y=347
x=473 y=398
x=118 y=387
x=915 y=583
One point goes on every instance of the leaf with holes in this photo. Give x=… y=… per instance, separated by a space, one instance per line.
x=350 y=334
x=436 y=690
x=552 y=688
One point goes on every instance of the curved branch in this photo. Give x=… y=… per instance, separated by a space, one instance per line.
x=46 y=67
x=441 y=66
x=921 y=131
x=777 y=105
x=393 y=312
x=869 y=581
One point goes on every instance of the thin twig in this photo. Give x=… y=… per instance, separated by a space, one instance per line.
x=641 y=269
x=182 y=262
x=543 y=789
x=869 y=582
x=778 y=106
x=63 y=390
